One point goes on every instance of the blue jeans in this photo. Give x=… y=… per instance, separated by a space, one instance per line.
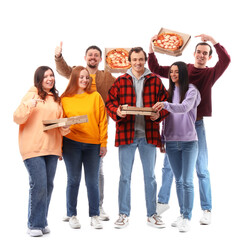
x=75 y=155
x=201 y=168
x=126 y=159
x=182 y=157
x=41 y=176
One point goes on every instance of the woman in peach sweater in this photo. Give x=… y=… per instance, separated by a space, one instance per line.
x=40 y=149
x=85 y=144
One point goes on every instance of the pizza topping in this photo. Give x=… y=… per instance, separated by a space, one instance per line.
x=118 y=58
x=169 y=41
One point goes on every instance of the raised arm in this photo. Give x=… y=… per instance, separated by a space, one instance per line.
x=61 y=66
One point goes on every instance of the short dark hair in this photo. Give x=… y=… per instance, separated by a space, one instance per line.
x=137 y=50
x=204 y=44
x=94 y=47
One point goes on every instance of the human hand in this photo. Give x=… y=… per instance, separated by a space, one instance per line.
x=119 y=112
x=32 y=103
x=154 y=116
x=206 y=38
x=162 y=148
x=158 y=106
x=151 y=43
x=103 y=151
x=58 y=50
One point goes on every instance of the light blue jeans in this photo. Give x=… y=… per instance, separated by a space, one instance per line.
x=41 y=176
x=201 y=168
x=182 y=157
x=126 y=159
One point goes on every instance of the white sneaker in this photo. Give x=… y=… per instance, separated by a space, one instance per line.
x=35 y=232
x=184 y=226
x=103 y=216
x=155 y=221
x=206 y=218
x=95 y=222
x=177 y=222
x=122 y=221
x=46 y=230
x=66 y=218
x=74 y=222
x=161 y=207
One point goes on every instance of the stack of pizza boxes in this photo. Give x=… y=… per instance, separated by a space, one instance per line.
x=185 y=37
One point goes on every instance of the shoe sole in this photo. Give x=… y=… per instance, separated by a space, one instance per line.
x=156 y=226
x=121 y=226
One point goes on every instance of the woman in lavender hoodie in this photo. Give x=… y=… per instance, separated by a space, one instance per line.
x=180 y=137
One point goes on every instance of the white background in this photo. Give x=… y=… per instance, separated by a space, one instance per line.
x=30 y=31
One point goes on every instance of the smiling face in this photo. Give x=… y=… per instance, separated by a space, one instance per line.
x=93 y=58
x=202 y=56
x=174 y=74
x=84 y=80
x=48 y=81
x=137 y=61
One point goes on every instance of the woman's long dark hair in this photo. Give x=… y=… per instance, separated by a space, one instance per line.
x=183 y=81
x=38 y=79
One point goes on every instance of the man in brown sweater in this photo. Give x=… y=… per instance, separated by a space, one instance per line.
x=102 y=81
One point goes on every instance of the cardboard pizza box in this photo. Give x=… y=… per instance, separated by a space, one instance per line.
x=114 y=70
x=186 y=38
x=61 y=122
x=130 y=110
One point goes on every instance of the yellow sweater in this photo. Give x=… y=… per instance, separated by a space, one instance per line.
x=92 y=105
x=33 y=141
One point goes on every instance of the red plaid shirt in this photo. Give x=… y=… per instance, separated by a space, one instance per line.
x=122 y=92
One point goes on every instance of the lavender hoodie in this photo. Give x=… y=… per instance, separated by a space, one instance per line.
x=180 y=123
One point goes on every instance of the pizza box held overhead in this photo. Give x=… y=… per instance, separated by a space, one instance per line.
x=185 y=37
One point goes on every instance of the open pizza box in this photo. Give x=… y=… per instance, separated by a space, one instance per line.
x=186 y=38
x=114 y=70
x=130 y=110
x=62 y=122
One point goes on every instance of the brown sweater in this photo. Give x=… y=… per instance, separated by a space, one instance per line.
x=104 y=79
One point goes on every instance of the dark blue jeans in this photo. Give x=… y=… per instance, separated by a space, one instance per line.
x=75 y=155
x=41 y=176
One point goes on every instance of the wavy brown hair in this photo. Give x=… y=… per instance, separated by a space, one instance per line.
x=38 y=80
x=73 y=86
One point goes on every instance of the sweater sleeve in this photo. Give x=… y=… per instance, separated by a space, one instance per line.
x=62 y=67
x=223 y=62
x=103 y=123
x=186 y=105
x=156 y=68
x=23 y=111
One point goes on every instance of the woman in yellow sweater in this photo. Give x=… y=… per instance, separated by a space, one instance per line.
x=85 y=144
x=40 y=150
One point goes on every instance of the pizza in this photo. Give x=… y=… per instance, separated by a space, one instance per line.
x=169 y=41
x=118 y=58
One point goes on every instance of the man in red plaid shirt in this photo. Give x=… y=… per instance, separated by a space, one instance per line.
x=141 y=88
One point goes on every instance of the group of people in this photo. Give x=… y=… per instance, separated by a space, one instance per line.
x=99 y=95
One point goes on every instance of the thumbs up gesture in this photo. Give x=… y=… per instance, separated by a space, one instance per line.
x=58 y=50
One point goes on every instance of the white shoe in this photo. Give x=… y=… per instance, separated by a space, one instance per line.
x=177 y=222
x=161 y=207
x=35 y=232
x=66 y=218
x=184 y=226
x=122 y=221
x=95 y=222
x=103 y=216
x=74 y=222
x=46 y=230
x=155 y=221
x=206 y=218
